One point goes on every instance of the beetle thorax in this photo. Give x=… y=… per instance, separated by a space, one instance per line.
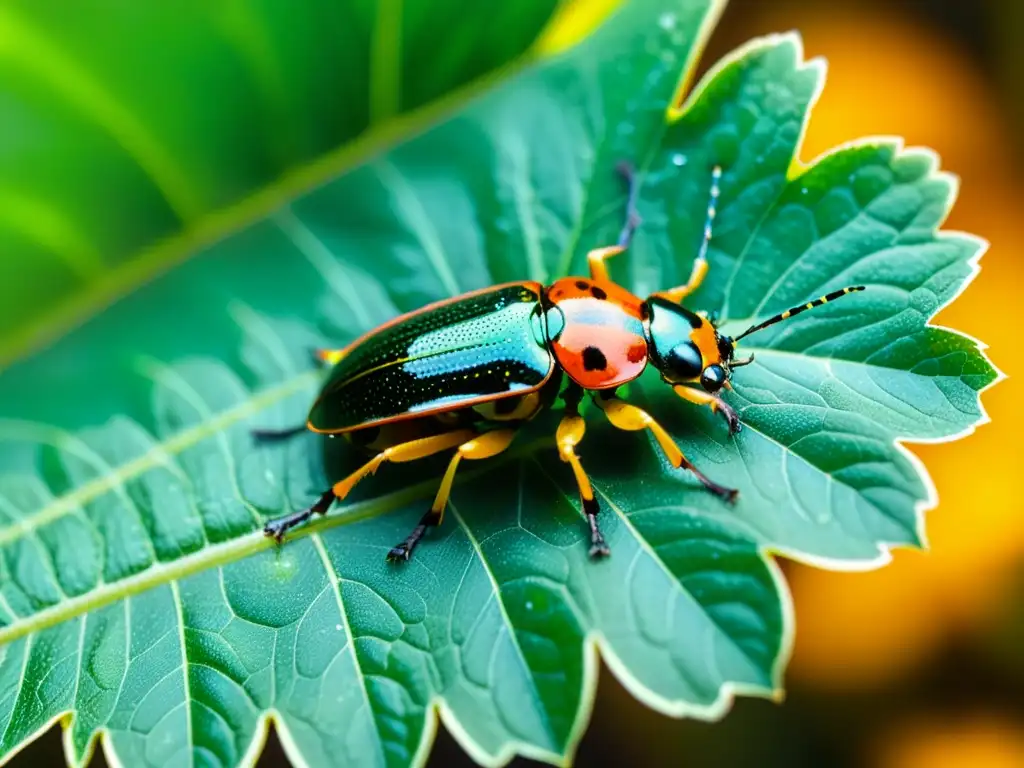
x=596 y=332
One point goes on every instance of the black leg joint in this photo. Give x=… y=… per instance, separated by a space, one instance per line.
x=402 y=552
x=278 y=527
x=598 y=546
x=277 y=435
x=572 y=397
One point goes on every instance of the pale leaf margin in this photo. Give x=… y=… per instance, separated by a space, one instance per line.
x=595 y=644
x=902 y=443
x=799 y=168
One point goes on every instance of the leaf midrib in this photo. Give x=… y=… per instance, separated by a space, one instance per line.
x=156 y=455
x=861 y=363
x=500 y=600
x=153 y=458
x=228 y=552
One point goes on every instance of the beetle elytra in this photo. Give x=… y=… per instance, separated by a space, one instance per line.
x=463 y=374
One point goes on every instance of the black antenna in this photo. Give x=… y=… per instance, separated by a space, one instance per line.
x=797 y=310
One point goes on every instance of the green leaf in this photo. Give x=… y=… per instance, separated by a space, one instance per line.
x=140 y=599
x=134 y=133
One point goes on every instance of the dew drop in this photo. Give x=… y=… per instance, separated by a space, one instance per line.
x=529 y=605
x=679 y=159
x=667 y=21
x=338 y=627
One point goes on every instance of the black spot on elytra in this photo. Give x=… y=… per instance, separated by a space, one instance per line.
x=598 y=293
x=594 y=359
x=582 y=285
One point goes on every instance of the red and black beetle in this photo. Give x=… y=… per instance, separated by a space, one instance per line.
x=463 y=374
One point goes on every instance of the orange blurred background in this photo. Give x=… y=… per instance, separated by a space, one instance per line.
x=919 y=664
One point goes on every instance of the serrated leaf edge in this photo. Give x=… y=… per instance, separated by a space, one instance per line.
x=595 y=645
x=901 y=443
x=798 y=168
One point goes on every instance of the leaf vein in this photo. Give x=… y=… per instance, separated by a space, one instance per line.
x=333 y=578
x=506 y=620
x=420 y=222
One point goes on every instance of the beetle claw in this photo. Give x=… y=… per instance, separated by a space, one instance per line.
x=399 y=554
x=275 y=530
x=728 y=495
x=731 y=417
x=599 y=548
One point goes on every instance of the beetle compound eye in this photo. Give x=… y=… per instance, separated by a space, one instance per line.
x=713 y=378
x=726 y=348
x=683 y=362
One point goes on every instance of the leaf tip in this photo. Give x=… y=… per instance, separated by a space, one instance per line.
x=789 y=42
x=818 y=68
x=680 y=98
x=573 y=22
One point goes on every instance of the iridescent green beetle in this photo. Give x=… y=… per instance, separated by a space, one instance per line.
x=464 y=374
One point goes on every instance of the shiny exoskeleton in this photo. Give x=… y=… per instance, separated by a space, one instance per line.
x=463 y=374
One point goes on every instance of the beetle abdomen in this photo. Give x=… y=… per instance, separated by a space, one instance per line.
x=480 y=346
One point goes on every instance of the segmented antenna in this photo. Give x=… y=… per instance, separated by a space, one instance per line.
x=716 y=175
x=797 y=310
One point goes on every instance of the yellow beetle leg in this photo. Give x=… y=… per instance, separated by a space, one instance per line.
x=481 y=447
x=569 y=434
x=630 y=418
x=717 y=404
x=410 y=451
x=596 y=258
x=697 y=274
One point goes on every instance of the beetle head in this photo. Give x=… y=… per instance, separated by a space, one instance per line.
x=686 y=347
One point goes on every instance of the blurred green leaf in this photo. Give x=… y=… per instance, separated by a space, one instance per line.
x=132 y=133
x=139 y=593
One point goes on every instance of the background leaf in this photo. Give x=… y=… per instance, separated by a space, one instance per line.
x=139 y=593
x=133 y=133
